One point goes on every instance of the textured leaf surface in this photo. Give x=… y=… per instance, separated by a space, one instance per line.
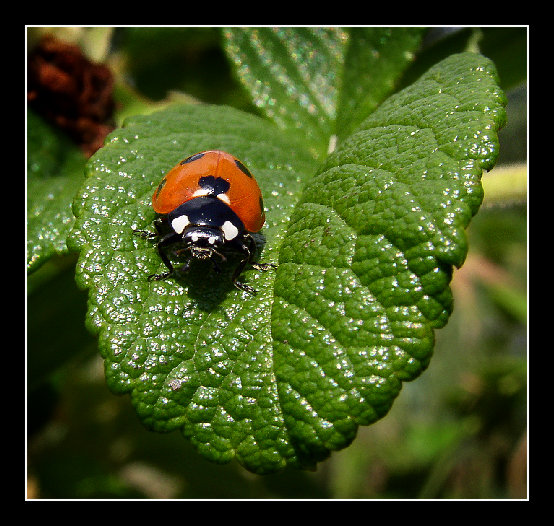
x=194 y=353
x=374 y=61
x=54 y=174
x=365 y=251
x=293 y=75
x=370 y=248
x=320 y=81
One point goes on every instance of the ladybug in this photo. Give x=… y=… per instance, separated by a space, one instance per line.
x=210 y=203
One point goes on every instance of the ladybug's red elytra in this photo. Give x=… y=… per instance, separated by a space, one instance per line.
x=209 y=202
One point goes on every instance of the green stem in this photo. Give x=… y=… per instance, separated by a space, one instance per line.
x=505 y=185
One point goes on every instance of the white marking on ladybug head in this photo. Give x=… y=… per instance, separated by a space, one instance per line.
x=230 y=231
x=180 y=223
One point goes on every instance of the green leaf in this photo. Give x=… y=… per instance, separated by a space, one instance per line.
x=195 y=353
x=54 y=175
x=365 y=267
x=375 y=60
x=365 y=250
x=321 y=81
x=292 y=74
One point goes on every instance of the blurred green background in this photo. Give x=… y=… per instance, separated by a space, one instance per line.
x=459 y=431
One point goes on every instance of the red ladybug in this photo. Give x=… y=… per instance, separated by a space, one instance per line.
x=209 y=202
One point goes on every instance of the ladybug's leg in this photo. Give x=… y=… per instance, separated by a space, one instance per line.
x=216 y=266
x=252 y=248
x=168 y=239
x=263 y=266
x=146 y=234
x=165 y=240
x=245 y=248
x=248 y=248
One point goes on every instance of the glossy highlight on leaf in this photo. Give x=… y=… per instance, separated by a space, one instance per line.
x=370 y=249
x=365 y=243
x=54 y=174
x=293 y=74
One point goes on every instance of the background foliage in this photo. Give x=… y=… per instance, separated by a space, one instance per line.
x=459 y=431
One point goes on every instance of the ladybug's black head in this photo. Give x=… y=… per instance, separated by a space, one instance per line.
x=203 y=241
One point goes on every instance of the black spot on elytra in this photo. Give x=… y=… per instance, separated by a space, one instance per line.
x=194 y=157
x=243 y=168
x=216 y=185
x=160 y=186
